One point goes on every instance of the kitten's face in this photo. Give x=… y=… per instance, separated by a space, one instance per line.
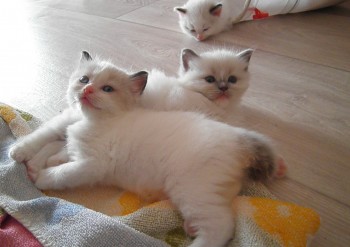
x=221 y=76
x=200 y=21
x=100 y=87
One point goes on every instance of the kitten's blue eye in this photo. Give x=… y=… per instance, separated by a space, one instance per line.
x=84 y=79
x=107 y=89
x=210 y=79
x=232 y=79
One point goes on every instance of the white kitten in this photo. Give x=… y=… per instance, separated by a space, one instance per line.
x=197 y=162
x=203 y=18
x=211 y=83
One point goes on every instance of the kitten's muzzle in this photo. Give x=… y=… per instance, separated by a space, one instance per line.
x=87 y=90
x=223 y=86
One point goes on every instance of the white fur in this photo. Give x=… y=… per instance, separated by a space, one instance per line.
x=166 y=93
x=190 y=92
x=197 y=162
x=198 y=18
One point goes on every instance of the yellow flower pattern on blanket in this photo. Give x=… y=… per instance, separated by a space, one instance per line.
x=292 y=224
x=129 y=203
x=16 y=120
x=7 y=113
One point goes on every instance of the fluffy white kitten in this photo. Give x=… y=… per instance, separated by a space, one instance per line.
x=203 y=18
x=197 y=162
x=211 y=83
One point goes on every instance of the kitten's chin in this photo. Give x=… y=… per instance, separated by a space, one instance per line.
x=86 y=104
x=222 y=100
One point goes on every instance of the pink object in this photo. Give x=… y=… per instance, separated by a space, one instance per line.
x=13 y=234
x=88 y=90
x=281 y=170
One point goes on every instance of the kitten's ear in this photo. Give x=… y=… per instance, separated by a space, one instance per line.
x=85 y=56
x=216 y=10
x=187 y=55
x=245 y=55
x=180 y=10
x=139 y=81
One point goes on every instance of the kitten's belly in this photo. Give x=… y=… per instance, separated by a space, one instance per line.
x=134 y=175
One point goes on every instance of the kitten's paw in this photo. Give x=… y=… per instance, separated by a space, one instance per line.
x=21 y=152
x=190 y=230
x=281 y=168
x=32 y=174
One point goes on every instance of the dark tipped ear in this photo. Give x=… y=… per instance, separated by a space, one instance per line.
x=85 y=56
x=187 y=55
x=245 y=55
x=139 y=81
x=180 y=10
x=216 y=10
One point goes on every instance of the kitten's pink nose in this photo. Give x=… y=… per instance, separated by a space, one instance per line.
x=200 y=37
x=88 y=90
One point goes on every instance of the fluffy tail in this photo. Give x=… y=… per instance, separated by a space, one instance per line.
x=263 y=163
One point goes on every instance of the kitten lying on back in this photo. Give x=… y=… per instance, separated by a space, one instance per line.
x=198 y=163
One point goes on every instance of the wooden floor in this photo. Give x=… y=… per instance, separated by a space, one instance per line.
x=299 y=94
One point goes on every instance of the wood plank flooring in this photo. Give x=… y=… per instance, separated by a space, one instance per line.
x=299 y=93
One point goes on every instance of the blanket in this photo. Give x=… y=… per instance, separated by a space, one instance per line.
x=108 y=216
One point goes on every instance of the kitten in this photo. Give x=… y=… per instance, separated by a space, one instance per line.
x=201 y=19
x=211 y=83
x=198 y=163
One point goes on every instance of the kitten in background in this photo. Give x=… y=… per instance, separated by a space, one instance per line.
x=198 y=163
x=201 y=19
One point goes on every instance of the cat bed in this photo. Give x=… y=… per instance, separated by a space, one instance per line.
x=107 y=216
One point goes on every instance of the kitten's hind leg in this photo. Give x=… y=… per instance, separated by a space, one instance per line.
x=67 y=175
x=213 y=225
x=207 y=211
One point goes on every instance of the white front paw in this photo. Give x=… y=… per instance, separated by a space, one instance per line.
x=21 y=152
